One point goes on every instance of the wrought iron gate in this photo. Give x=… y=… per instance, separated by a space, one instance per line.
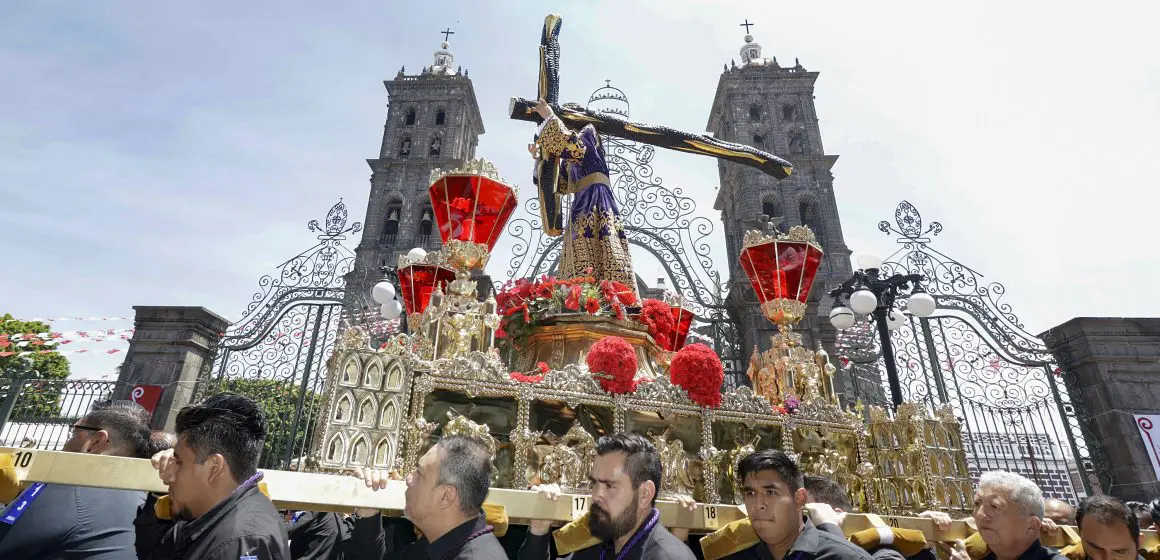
x=662 y=221
x=277 y=352
x=975 y=354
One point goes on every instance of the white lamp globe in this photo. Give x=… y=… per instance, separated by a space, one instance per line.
x=868 y=262
x=391 y=310
x=863 y=301
x=894 y=320
x=921 y=304
x=841 y=318
x=383 y=292
x=416 y=254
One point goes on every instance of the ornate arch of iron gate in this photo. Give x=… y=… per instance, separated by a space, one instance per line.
x=976 y=355
x=277 y=352
x=662 y=221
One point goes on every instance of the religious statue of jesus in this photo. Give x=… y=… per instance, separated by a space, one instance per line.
x=594 y=237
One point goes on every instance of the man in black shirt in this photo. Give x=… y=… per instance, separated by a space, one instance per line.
x=774 y=499
x=317 y=535
x=58 y=521
x=625 y=478
x=444 y=500
x=1108 y=530
x=213 y=479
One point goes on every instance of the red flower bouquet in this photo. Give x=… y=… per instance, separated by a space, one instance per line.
x=615 y=360
x=523 y=303
x=658 y=317
x=698 y=369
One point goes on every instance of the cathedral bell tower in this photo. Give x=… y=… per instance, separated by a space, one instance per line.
x=771 y=107
x=433 y=121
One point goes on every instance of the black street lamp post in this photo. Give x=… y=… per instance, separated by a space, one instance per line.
x=870 y=292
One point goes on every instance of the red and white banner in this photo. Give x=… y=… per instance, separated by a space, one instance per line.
x=147 y=396
x=1149 y=425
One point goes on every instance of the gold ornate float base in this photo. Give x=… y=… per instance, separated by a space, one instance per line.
x=566 y=339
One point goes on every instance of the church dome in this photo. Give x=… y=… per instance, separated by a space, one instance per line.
x=751 y=53
x=609 y=100
x=444 y=63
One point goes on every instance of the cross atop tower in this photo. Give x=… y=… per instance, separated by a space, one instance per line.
x=746 y=25
x=447 y=33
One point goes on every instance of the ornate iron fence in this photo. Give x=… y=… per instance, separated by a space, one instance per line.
x=975 y=354
x=40 y=411
x=277 y=353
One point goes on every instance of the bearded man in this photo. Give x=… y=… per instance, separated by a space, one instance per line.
x=625 y=478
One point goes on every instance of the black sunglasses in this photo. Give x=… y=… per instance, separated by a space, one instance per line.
x=76 y=427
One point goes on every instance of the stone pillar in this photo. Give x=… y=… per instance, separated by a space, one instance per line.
x=1113 y=371
x=170 y=345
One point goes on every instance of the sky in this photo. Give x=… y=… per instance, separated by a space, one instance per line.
x=171 y=154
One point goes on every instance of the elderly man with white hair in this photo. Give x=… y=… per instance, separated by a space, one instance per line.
x=1008 y=515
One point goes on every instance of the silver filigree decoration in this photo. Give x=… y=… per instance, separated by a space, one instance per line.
x=743 y=400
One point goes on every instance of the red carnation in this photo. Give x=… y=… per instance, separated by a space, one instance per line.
x=615 y=359
x=698 y=369
x=658 y=317
x=593 y=305
x=542 y=366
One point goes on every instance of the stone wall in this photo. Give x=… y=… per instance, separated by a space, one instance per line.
x=170 y=347
x=1112 y=368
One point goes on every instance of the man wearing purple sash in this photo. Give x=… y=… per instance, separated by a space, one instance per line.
x=625 y=478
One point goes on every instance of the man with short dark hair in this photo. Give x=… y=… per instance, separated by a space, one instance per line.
x=444 y=499
x=150 y=529
x=59 y=521
x=1108 y=530
x=827 y=507
x=625 y=478
x=825 y=490
x=772 y=486
x=213 y=478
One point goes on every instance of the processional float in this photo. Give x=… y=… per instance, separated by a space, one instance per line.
x=528 y=369
x=546 y=366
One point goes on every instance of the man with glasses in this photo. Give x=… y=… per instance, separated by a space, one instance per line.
x=59 y=521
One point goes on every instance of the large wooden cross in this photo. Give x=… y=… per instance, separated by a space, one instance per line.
x=576 y=116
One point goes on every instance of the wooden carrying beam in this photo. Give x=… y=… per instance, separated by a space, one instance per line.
x=328 y=492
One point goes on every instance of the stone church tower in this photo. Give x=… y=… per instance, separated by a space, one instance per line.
x=769 y=106
x=433 y=121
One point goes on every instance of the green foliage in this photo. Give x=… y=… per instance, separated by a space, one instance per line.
x=41 y=398
x=279 y=400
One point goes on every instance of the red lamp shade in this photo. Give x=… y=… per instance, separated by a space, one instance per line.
x=471 y=208
x=683 y=318
x=782 y=270
x=417 y=281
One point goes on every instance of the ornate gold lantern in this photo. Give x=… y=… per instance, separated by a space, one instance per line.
x=472 y=205
x=781 y=268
